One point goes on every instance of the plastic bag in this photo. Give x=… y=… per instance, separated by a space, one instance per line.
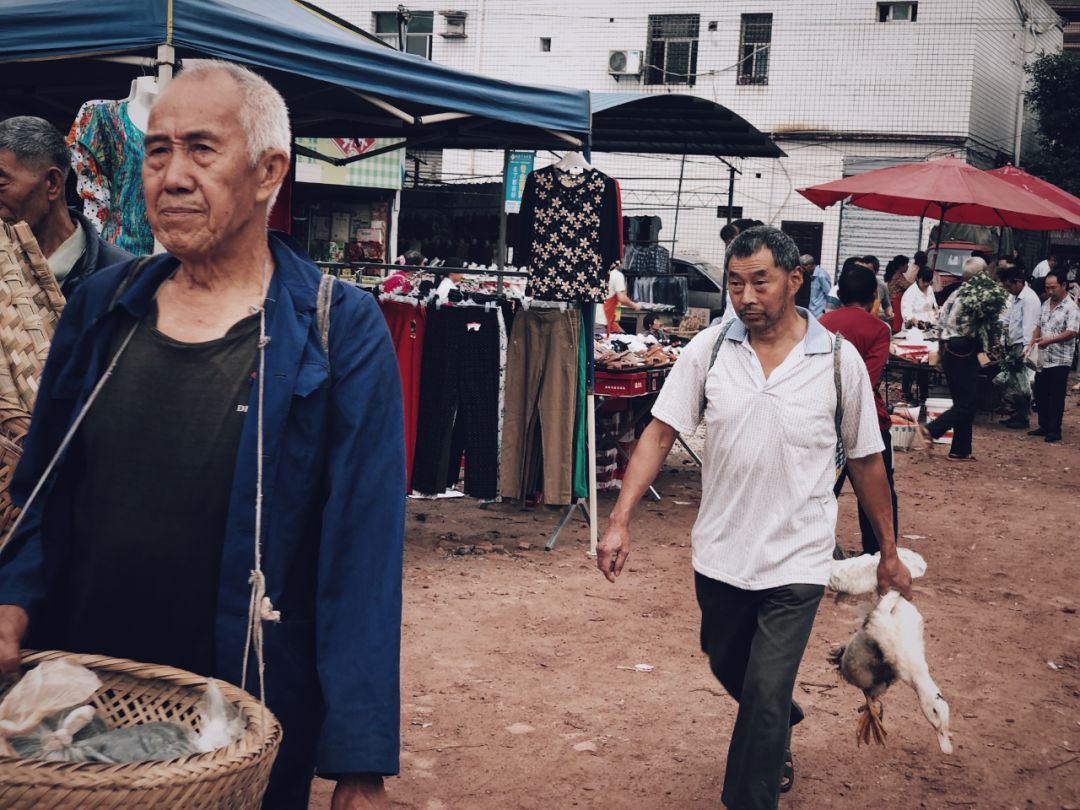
x=54 y=737
x=221 y=721
x=139 y=743
x=44 y=690
x=1017 y=389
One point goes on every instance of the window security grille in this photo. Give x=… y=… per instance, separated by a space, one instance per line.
x=898 y=12
x=673 y=49
x=754 y=51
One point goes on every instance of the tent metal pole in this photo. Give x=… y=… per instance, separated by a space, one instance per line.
x=678 y=205
x=588 y=314
x=166 y=59
x=500 y=259
x=730 y=193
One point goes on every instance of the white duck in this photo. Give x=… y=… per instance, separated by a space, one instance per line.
x=887 y=647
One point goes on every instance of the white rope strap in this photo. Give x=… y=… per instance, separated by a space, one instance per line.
x=260 y=608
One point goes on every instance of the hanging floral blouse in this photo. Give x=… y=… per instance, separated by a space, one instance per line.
x=569 y=234
x=107 y=155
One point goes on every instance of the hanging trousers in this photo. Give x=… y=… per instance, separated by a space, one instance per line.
x=1050 y=387
x=459 y=383
x=755 y=642
x=962 y=374
x=406 y=324
x=541 y=395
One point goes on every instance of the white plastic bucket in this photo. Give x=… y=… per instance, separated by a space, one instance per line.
x=934 y=409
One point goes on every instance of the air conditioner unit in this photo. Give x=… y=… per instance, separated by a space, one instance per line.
x=624 y=63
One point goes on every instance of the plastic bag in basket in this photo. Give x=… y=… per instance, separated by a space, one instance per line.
x=58 y=735
x=44 y=690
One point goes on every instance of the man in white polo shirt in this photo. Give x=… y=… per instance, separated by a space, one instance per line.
x=765 y=532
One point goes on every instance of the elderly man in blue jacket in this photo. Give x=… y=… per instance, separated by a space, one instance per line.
x=141 y=543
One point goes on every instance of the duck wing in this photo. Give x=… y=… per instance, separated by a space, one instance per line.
x=858 y=575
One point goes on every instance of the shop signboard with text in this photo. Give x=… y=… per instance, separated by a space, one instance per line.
x=521 y=163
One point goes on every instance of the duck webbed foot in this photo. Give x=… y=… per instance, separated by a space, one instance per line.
x=870 y=728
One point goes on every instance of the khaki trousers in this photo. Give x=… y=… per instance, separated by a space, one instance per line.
x=541 y=395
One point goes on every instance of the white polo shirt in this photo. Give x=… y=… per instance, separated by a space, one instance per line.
x=768 y=514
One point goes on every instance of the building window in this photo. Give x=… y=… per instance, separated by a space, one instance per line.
x=672 y=49
x=897 y=12
x=545 y=44
x=754 y=51
x=421 y=25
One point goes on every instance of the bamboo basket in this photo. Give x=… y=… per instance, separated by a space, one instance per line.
x=30 y=306
x=231 y=778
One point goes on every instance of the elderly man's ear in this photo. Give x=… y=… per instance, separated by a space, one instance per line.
x=54 y=184
x=274 y=166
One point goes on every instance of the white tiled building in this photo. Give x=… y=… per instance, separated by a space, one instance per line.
x=842 y=85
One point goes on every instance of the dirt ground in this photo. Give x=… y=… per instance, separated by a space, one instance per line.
x=519 y=687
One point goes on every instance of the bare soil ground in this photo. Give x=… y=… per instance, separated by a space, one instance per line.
x=519 y=687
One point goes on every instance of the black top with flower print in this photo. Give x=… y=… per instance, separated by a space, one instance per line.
x=568 y=234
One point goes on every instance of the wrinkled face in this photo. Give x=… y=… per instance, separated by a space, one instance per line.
x=937 y=712
x=200 y=186
x=761 y=291
x=25 y=194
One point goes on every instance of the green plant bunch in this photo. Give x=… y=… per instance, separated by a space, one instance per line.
x=984 y=300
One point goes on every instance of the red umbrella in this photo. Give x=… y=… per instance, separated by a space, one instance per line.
x=1040 y=188
x=946 y=189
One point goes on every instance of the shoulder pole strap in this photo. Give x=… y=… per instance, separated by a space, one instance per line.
x=133 y=272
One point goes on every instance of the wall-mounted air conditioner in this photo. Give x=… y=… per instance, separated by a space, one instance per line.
x=624 y=63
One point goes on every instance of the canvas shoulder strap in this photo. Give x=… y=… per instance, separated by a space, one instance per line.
x=838 y=381
x=322 y=314
x=712 y=360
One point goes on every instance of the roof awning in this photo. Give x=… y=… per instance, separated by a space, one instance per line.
x=338 y=80
x=674 y=124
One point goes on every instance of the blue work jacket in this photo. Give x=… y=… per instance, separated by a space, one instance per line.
x=333 y=519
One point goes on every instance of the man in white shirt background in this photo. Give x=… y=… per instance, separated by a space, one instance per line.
x=1043 y=268
x=765 y=531
x=918 y=304
x=1020 y=320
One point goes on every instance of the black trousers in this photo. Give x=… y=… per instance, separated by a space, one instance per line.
x=962 y=373
x=870 y=543
x=755 y=642
x=459 y=402
x=1051 y=385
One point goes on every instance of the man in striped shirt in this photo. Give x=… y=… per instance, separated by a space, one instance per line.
x=1056 y=338
x=765 y=532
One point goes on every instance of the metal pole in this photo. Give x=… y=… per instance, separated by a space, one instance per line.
x=500 y=258
x=730 y=193
x=678 y=204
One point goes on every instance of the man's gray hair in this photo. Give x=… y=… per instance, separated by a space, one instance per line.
x=806 y=260
x=36 y=143
x=783 y=248
x=263 y=113
x=972 y=267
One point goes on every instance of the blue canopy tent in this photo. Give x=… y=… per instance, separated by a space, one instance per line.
x=338 y=80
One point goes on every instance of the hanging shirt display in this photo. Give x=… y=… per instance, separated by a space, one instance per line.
x=107 y=155
x=569 y=234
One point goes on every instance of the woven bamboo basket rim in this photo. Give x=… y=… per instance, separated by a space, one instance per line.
x=261 y=739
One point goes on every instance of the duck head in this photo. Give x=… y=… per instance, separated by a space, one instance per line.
x=935 y=708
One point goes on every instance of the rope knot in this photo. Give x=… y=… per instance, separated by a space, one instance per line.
x=265 y=607
x=263 y=341
x=254 y=309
